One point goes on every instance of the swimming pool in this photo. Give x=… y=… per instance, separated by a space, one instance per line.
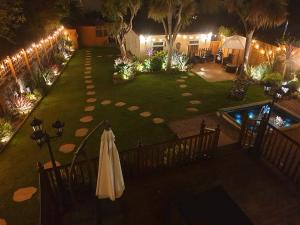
x=280 y=117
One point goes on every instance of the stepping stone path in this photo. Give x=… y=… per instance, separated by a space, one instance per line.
x=106 y=102
x=81 y=132
x=67 y=148
x=86 y=119
x=24 y=194
x=195 y=102
x=91 y=93
x=120 y=104
x=186 y=94
x=3 y=222
x=182 y=85
x=145 y=114
x=48 y=164
x=158 y=120
x=88 y=81
x=180 y=80
x=90 y=87
x=133 y=108
x=191 y=109
x=89 y=108
x=90 y=100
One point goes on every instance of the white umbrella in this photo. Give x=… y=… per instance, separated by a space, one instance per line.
x=110 y=182
x=235 y=42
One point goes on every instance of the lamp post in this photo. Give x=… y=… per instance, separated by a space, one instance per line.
x=42 y=137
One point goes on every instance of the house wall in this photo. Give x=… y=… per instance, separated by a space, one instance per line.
x=88 y=37
x=146 y=42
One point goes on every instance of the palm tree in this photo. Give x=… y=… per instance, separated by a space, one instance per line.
x=120 y=15
x=174 y=15
x=257 y=14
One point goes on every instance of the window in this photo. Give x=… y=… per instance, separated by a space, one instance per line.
x=158 y=46
x=101 y=31
x=193 y=42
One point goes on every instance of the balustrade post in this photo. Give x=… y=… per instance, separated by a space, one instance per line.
x=201 y=136
x=243 y=129
x=139 y=156
x=260 y=135
x=216 y=138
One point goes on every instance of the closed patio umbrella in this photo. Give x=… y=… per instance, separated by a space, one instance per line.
x=235 y=42
x=110 y=182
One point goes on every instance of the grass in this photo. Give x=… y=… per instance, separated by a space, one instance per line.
x=157 y=93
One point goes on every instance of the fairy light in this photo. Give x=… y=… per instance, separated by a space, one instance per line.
x=262 y=51
x=256 y=46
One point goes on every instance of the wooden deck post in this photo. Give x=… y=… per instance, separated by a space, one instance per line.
x=260 y=135
x=27 y=61
x=12 y=68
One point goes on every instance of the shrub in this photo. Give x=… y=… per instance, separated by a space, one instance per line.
x=125 y=68
x=293 y=86
x=273 y=78
x=258 y=72
x=20 y=104
x=58 y=58
x=158 y=61
x=5 y=130
x=180 y=61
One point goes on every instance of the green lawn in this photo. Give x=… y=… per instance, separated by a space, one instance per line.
x=158 y=93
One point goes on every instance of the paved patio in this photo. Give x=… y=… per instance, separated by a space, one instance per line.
x=191 y=126
x=212 y=72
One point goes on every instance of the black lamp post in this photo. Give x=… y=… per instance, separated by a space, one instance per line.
x=42 y=137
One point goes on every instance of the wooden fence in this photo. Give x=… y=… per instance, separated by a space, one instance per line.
x=272 y=146
x=81 y=176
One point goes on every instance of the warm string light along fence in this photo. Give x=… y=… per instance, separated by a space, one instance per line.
x=13 y=64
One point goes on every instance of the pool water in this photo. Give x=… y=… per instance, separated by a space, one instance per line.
x=279 y=118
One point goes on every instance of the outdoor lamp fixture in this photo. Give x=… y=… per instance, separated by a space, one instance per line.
x=42 y=137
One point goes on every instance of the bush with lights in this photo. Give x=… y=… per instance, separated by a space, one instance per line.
x=6 y=130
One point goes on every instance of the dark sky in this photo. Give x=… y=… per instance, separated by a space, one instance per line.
x=208 y=22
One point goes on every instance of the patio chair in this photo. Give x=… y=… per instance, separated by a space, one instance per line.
x=228 y=59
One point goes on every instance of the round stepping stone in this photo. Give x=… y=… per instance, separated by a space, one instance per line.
x=67 y=148
x=182 y=85
x=24 y=194
x=89 y=108
x=186 y=94
x=145 y=114
x=106 y=102
x=48 y=164
x=87 y=64
x=180 y=80
x=88 y=77
x=120 y=104
x=86 y=119
x=81 y=132
x=133 y=108
x=87 y=72
x=3 y=222
x=88 y=67
x=191 y=109
x=88 y=81
x=90 y=86
x=90 y=100
x=91 y=93
x=184 y=77
x=158 y=120
x=99 y=56
x=195 y=102
x=191 y=74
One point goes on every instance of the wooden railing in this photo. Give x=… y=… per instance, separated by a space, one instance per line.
x=273 y=147
x=80 y=176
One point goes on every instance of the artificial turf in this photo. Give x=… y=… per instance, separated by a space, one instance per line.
x=157 y=93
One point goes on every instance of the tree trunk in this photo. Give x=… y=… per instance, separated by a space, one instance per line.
x=170 y=53
x=249 y=37
x=121 y=42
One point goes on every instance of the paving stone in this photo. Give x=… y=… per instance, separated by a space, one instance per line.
x=158 y=120
x=191 y=74
x=87 y=68
x=87 y=77
x=120 y=104
x=90 y=86
x=87 y=72
x=67 y=148
x=195 y=102
x=106 y=102
x=3 y=221
x=90 y=100
x=48 y=164
x=145 y=114
x=90 y=93
x=99 y=56
x=81 y=132
x=180 y=80
x=24 y=194
x=88 y=81
x=186 y=94
x=133 y=108
x=191 y=109
x=184 y=77
x=86 y=119
x=182 y=85
x=89 y=108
